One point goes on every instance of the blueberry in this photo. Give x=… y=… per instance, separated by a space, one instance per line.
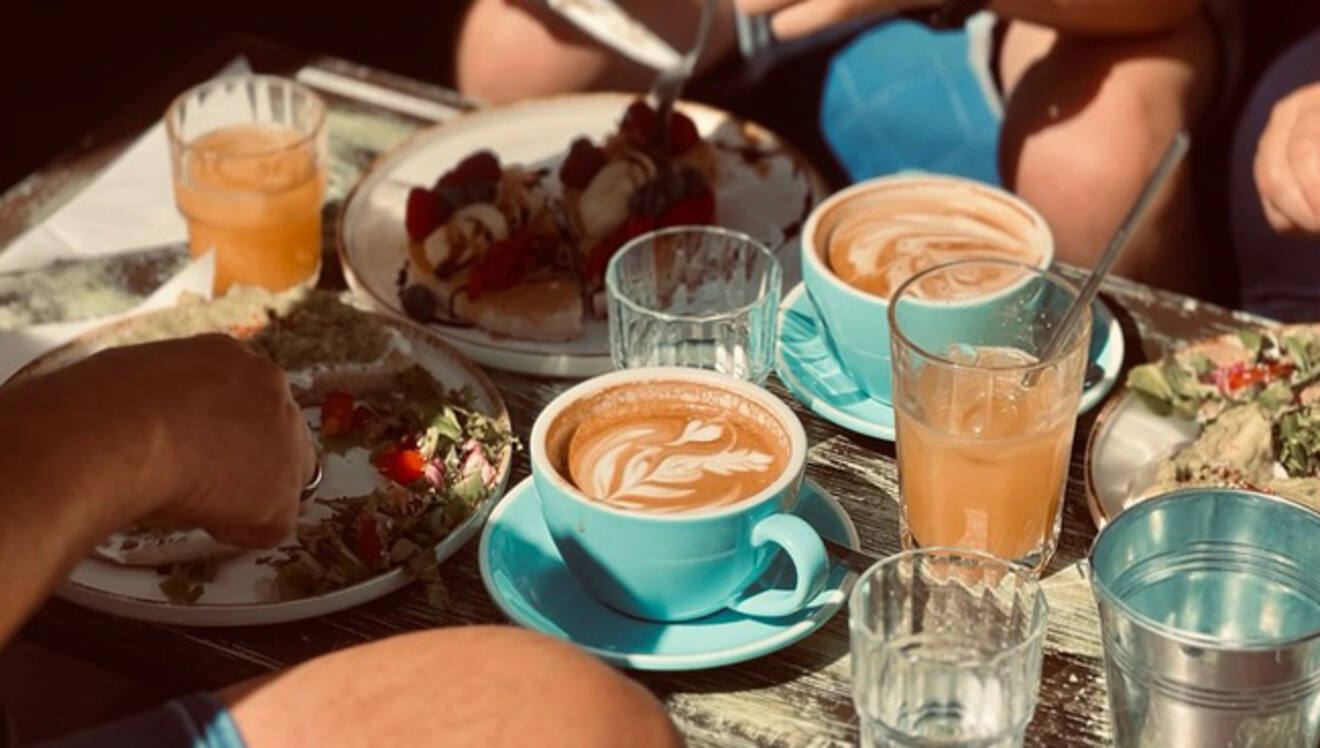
x=418 y=302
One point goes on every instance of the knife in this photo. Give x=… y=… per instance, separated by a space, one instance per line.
x=607 y=23
x=858 y=561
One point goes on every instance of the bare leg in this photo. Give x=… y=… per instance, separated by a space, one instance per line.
x=1085 y=123
x=514 y=49
x=488 y=686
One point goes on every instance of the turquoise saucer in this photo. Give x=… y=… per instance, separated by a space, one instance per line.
x=527 y=579
x=810 y=371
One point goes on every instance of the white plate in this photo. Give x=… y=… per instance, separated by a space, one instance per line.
x=236 y=597
x=767 y=198
x=1126 y=444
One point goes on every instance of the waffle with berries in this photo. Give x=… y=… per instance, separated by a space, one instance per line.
x=628 y=186
x=522 y=253
x=485 y=247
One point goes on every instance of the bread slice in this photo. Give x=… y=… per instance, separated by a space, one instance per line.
x=142 y=546
x=325 y=345
x=547 y=309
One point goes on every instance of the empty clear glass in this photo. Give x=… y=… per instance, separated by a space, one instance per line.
x=698 y=296
x=946 y=649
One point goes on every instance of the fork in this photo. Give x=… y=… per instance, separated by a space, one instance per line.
x=669 y=83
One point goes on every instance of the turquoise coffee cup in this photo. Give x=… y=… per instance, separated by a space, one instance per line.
x=938 y=212
x=681 y=565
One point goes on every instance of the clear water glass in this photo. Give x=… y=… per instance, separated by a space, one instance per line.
x=698 y=296
x=946 y=649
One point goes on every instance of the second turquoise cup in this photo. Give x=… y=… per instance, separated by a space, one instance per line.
x=936 y=211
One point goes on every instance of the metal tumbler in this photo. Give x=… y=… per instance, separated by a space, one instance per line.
x=1210 y=615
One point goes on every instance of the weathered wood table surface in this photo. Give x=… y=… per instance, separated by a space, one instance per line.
x=795 y=697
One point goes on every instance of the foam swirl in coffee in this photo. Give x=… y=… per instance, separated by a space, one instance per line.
x=668 y=446
x=880 y=238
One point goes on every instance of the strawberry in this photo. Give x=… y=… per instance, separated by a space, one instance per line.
x=600 y=255
x=694 y=208
x=336 y=414
x=582 y=164
x=424 y=214
x=683 y=134
x=502 y=266
x=508 y=261
x=482 y=166
x=638 y=124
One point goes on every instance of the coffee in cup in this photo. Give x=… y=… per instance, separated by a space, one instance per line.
x=863 y=242
x=668 y=446
x=668 y=491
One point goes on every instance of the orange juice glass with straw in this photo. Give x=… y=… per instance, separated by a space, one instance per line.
x=248 y=155
x=984 y=425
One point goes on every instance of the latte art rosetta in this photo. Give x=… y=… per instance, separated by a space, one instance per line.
x=671 y=463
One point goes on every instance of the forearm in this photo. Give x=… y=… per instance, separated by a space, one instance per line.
x=1100 y=17
x=57 y=492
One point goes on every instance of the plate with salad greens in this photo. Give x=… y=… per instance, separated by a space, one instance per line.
x=415 y=448
x=1240 y=409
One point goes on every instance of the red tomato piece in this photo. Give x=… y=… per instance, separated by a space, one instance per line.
x=367 y=545
x=401 y=463
x=336 y=414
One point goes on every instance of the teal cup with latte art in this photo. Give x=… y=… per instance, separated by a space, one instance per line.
x=669 y=492
x=863 y=242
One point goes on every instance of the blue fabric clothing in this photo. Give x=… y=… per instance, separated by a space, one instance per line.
x=903 y=96
x=196 y=721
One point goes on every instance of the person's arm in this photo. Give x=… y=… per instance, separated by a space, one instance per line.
x=1287 y=164
x=514 y=49
x=1100 y=17
x=198 y=431
x=795 y=18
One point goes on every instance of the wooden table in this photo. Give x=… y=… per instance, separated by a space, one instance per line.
x=796 y=697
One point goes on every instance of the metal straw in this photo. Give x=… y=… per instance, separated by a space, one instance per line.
x=1117 y=243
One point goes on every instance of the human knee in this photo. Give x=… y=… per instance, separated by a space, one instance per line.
x=506 y=51
x=602 y=706
x=1083 y=182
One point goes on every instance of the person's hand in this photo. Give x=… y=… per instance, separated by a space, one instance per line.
x=790 y=19
x=198 y=431
x=1287 y=166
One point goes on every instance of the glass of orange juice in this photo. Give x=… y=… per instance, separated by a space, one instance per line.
x=984 y=424
x=248 y=155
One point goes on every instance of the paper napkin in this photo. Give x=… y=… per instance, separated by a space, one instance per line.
x=127 y=206
x=18 y=347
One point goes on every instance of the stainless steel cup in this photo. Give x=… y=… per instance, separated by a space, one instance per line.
x=1210 y=615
